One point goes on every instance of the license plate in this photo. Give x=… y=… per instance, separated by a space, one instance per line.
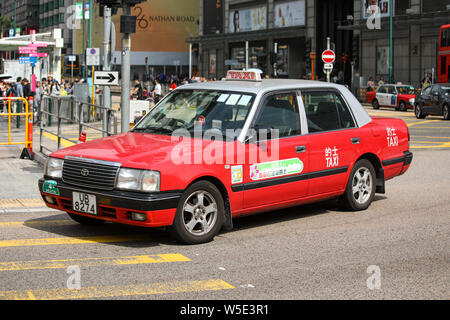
x=83 y=202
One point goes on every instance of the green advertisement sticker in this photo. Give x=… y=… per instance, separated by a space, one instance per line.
x=274 y=169
x=50 y=187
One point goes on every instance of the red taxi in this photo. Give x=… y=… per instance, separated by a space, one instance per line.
x=210 y=152
x=400 y=97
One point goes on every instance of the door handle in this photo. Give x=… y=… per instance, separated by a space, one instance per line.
x=356 y=140
x=300 y=149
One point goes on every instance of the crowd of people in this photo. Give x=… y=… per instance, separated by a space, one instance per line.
x=46 y=86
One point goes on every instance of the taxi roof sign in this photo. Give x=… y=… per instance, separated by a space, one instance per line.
x=243 y=75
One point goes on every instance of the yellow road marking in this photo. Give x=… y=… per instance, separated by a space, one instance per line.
x=430 y=128
x=421 y=122
x=16 y=203
x=65 y=143
x=91 y=262
x=69 y=240
x=36 y=223
x=117 y=290
x=443 y=145
x=430 y=137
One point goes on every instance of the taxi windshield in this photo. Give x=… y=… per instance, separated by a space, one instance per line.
x=200 y=109
x=406 y=90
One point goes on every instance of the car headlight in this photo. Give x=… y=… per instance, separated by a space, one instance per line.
x=138 y=180
x=53 y=167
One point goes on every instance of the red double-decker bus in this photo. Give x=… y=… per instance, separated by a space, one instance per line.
x=444 y=55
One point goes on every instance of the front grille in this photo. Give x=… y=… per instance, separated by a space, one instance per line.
x=90 y=173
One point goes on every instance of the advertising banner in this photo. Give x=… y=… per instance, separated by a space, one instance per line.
x=290 y=14
x=163 y=25
x=375 y=7
x=251 y=19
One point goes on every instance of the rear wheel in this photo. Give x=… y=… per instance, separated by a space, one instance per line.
x=85 y=220
x=446 y=112
x=360 y=188
x=200 y=214
x=419 y=112
x=375 y=104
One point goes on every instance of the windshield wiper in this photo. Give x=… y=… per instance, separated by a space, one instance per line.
x=154 y=130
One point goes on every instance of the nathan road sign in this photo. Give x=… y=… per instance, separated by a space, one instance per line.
x=106 y=78
x=328 y=56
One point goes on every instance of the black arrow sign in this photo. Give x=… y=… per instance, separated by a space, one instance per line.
x=110 y=77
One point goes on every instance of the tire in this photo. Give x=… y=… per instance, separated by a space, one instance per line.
x=85 y=220
x=418 y=112
x=402 y=106
x=446 y=112
x=200 y=214
x=375 y=104
x=360 y=188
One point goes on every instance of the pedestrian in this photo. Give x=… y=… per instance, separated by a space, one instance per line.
x=55 y=89
x=18 y=88
x=381 y=81
x=426 y=82
x=37 y=96
x=26 y=89
x=173 y=85
x=137 y=92
x=157 y=92
x=370 y=85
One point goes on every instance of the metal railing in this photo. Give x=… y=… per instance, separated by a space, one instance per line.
x=67 y=110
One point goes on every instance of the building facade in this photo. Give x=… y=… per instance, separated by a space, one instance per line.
x=25 y=13
x=276 y=36
x=415 y=30
x=57 y=14
x=282 y=34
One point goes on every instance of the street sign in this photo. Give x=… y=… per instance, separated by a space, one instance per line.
x=39 y=55
x=72 y=58
x=328 y=56
x=27 y=50
x=106 y=78
x=11 y=32
x=93 y=56
x=27 y=60
x=328 y=66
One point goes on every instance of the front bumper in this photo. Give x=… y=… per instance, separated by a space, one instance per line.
x=117 y=206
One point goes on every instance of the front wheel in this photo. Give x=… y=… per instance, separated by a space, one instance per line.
x=360 y=188
x=419 y=112
x=402 y=106
x=446 y=112
x=375 y=104
x=200 y=214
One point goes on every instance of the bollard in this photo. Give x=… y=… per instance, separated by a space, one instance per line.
x=82 y=137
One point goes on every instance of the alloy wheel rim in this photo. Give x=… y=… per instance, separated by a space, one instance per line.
x=199 y=213
x=362 y=185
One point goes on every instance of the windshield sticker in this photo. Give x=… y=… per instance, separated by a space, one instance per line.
x=275 y=169
x=244 y=100
x=332 y=157
x=50 y=187
x=233 y=99
x=223 y=97
x=236 y=174
x=392 y=138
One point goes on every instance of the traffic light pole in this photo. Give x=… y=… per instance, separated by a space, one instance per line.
x=125 y=70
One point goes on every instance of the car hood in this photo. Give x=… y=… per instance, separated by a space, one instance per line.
x=133 y=150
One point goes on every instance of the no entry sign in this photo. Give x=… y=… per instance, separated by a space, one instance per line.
x=328 y=56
